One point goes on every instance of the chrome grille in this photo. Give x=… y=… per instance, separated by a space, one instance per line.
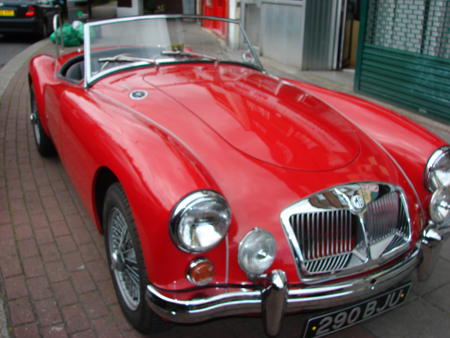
x=382 y=216
x=328 y=264
x=386 y=221
x=325 y=238
x=347 y=227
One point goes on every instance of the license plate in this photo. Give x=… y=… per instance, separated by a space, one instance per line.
x=340 y=319
x=6 y=12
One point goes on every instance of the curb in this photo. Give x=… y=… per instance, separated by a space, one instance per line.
x=12 y=66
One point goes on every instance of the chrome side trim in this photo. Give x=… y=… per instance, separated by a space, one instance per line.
x=298 y=298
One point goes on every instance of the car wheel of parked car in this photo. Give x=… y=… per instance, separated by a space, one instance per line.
x=43 y=142
x=44 y=31
x=126 y=260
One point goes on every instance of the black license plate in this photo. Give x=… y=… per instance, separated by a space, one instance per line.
x=340 y=319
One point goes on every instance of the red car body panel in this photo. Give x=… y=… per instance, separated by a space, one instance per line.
x=410 y=144
x=227 y=128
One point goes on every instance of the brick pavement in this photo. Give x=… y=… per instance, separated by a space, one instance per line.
x=53 y=275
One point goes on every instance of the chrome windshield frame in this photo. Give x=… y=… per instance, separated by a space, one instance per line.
x=89 y=80
x=59 y=38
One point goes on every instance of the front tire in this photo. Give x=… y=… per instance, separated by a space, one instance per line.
x=43 y=142
x=126 y=261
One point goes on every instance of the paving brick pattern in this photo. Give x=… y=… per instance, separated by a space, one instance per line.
x=53 y=274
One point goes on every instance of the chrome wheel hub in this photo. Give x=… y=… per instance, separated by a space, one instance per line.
x=123 y=259
x=117 y=261
x=34 y=120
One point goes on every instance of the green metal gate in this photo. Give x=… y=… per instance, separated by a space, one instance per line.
x=404 y=54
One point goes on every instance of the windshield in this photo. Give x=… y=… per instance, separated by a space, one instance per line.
x=119 y=44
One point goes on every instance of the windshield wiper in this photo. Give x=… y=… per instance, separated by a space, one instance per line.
x=189 y=54
x=126 y=58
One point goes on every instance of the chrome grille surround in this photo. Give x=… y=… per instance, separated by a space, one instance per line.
x=347 y=229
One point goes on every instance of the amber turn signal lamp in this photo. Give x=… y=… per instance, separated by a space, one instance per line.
x=200 y=271
x=30 y=11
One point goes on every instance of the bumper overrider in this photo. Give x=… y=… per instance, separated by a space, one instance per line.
x=278 y=298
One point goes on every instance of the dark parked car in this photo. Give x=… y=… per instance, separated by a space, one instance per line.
x=28 y=16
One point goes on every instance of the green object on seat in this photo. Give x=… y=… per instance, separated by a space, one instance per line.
x=71 y=37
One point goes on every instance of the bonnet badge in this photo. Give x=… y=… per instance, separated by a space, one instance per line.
x=357 y=203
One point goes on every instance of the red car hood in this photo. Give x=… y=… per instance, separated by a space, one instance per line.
x=242 y=132
x=264 y=118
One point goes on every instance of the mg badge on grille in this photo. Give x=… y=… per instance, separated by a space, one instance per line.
x=357 y=203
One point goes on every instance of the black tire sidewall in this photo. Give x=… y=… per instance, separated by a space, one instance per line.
x=44 y=31
x=45 y=146
x=141 y=318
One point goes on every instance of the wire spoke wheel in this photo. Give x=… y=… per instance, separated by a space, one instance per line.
x=124 y=252
x=43 y=142
x=35 y=119
x=123 y=259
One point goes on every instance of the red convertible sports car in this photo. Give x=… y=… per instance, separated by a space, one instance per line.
x=223 y=190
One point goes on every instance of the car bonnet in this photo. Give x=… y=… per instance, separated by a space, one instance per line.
x=264 y=117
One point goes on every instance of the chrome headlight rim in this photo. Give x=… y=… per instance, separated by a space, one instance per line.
x=432 y=162
x=185 y=205
x=241 y=252
x=437 y=199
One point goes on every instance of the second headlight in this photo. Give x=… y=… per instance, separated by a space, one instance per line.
x=200 y=221
x=440 y=205
x=256 y=252
x=437 y=172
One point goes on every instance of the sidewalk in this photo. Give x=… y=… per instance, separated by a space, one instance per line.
x=343 y=81
x=54 y=280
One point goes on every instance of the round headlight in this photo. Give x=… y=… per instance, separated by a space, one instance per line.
x=200 y=221
x=437 y=172
x=440 y=205
x=257 y=251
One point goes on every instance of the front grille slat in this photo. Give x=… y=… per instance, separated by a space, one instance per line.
x=329 y=226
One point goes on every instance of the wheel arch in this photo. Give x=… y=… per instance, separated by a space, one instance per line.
x=103 y=179
x=41 y=69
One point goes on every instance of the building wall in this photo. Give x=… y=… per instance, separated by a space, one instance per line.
x=137 y=8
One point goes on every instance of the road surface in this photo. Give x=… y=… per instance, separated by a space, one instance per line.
x=12 y=45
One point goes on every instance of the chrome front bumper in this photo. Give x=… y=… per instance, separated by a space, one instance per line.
x=280 y=298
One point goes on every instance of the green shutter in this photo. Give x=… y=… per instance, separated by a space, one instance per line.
x=404 y=54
